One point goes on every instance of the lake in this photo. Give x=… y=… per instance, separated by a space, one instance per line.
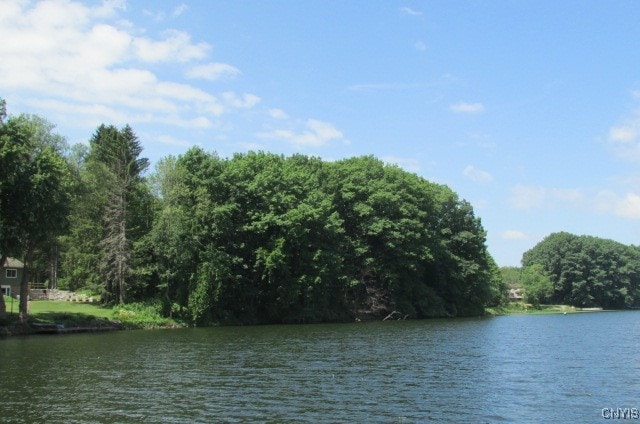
x=535 y=368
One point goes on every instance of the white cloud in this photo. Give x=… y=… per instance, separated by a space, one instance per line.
x=213 y=71
x=179 y=10
x=629 y=207
x=465 y=107
x=625 y=141
x=477 y=175
x=624 y=137
x=314 y=134
x=278 y=114
x=109 y=8
x=68 y=57
x=626 y=206
x=324 y=130
x=161 y=15
x=176 y=46
x=183 y=92
x=245 y=101
x=622 y=134
x=514 y=235
x=410 y=12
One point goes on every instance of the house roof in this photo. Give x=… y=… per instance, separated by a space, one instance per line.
x=12 y=263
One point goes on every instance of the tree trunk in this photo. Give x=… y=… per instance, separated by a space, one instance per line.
x=23 y=315
x=116 y=246
x=122 y=264
x=3 y=306
x=53 y=267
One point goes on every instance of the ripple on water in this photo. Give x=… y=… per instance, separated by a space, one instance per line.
x=520 y=368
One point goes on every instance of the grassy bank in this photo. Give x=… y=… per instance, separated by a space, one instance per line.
x=77 y=314
x=519 y=308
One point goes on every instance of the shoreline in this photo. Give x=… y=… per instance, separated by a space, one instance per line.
x=97 y=325
x=549 y=310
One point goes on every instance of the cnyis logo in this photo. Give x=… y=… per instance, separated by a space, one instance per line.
x=621 y=413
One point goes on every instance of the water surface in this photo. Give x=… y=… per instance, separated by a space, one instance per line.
x=560 y=368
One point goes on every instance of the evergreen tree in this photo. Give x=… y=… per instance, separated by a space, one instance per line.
x=114 y=156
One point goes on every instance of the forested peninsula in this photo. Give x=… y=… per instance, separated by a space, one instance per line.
x=584 y=271
x=254 y=238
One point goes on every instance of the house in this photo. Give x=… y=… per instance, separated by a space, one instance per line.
x=516 y=295
x=11 y=276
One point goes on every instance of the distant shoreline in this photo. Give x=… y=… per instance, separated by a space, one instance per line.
x=547 y=310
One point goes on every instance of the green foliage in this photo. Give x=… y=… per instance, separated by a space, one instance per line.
x=70 y=314
x=112 y=211
x=80 y=258
x=34 y=188
x=142 y=315
x=511 y=276
x=589 y=271
x=35 y=192
x=537 y=285
x=264 y=238
x=254 y=238
x=499 y=286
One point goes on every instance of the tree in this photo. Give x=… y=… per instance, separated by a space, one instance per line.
x=80 y=254
x=115 y=154
x=537 y=286
x=463 y=270
x=180 y=230
x=34 y=195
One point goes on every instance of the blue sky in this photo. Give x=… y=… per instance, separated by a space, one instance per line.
x=530 y=110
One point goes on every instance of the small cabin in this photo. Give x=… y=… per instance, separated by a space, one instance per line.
x=10 y=276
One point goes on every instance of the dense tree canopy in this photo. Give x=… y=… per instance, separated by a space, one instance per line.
x=264 y=238
x=254 y=238
x=588 y=271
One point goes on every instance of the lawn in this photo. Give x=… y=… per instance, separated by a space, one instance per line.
x=77 y=314
x=67 y=313
x=37 y=307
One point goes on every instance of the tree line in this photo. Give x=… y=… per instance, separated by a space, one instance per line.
x=581 y=271
x=255 y=238
x=585 y=271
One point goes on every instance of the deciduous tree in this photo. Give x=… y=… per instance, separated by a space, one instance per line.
x=35 y=188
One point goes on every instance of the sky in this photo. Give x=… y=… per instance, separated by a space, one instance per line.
x=529 y=110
